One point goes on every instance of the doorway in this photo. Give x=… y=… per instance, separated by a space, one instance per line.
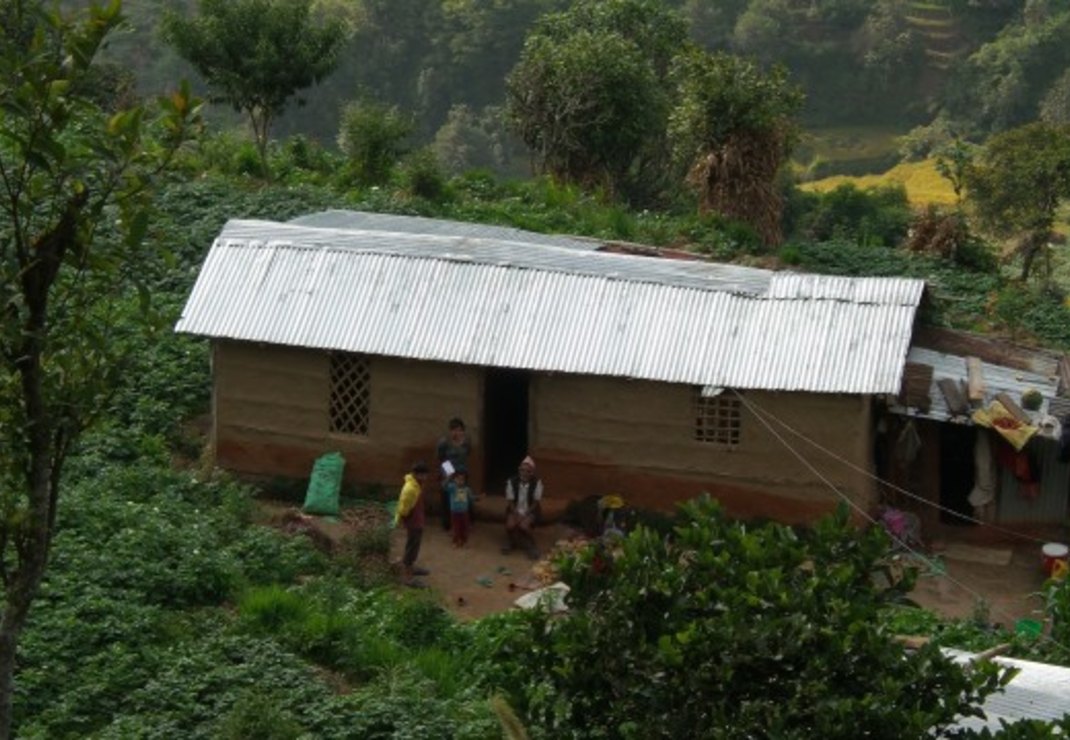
x=505 y=425
x=956 y=472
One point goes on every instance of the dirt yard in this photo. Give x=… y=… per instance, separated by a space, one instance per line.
x=478 y=579
x=1001 y=577
x=968 y=575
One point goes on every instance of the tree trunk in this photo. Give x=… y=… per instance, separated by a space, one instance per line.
x=1029 y=248
x=33 y=539
x=20 y=592
x=31 y=536
x=8 y=643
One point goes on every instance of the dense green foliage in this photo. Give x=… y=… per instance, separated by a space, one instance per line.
x=588 y=95
x=990 y=65
x=372 y=139
x=730 y=631
x=1018 y=184
x=257 y=54
x=878 y=217
x=168 y=612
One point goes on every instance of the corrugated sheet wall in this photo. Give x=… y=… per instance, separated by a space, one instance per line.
x=1050 y=505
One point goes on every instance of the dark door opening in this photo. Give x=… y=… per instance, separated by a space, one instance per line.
x=505 y=425
x=956 y=472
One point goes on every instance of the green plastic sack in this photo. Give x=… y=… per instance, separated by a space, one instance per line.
x=325 y=484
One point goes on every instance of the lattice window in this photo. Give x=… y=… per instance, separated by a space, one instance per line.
x=350 y=393
x=718 y=418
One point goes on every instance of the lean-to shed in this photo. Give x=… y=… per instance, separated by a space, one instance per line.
x=958 y=469
x=655 y=379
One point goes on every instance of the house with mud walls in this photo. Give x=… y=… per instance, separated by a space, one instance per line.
x=619 y=369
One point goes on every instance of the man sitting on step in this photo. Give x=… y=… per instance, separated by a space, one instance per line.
x=523 y=494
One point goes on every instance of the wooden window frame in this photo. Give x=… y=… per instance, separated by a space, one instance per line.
x=349 y=404
x=718 y=418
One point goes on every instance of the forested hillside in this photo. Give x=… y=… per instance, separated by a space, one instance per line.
x=986 y=65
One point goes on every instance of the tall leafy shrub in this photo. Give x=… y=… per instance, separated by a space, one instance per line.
x=729 y=631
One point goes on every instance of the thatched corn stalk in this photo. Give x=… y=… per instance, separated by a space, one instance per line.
x=739 y=181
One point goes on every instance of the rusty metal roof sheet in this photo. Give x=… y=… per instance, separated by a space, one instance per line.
x=998 y=378
x=494 y=302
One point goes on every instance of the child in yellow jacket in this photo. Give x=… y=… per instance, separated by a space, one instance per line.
x=410 y=514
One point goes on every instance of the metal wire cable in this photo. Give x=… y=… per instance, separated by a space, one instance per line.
x=889 y=484
x=866 y=515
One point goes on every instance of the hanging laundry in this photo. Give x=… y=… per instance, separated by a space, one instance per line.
x=907 y=444
x=984 y=472
x=997 y=417
x=1020 y=465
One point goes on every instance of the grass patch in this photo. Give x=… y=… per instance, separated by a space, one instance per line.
x=924 y=185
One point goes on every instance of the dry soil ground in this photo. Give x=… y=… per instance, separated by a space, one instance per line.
x=478 y=579
x=1002 y=578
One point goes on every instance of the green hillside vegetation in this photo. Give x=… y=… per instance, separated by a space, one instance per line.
x=169 y=610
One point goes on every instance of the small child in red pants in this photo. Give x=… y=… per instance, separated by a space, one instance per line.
x=460 y=497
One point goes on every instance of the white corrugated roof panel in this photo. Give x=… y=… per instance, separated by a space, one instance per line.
x=1039 y=691
x=500 y=303
x=366 y=221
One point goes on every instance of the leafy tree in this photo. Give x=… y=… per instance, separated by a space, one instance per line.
x=372 y=138
x=466 y=142
x=257 y=54
x=584 y=106
x=68 y=172
x=734 y=128
x=1018 y=183
x=1055 y=107
x=588 y=96
x=1003 y=84
x=731 y=631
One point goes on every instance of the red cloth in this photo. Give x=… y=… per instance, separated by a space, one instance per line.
x=459 y=524
x=1018 y=463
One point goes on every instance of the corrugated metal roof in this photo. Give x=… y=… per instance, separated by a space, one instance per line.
x=365 y=221
x=538 y=307
x=1039 y=691
x=997 y=378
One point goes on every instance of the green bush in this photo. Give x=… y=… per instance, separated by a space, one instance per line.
x=421 y=176
x=732 y=630
x=257 y=715
x=372 y=139
x=874 y=217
